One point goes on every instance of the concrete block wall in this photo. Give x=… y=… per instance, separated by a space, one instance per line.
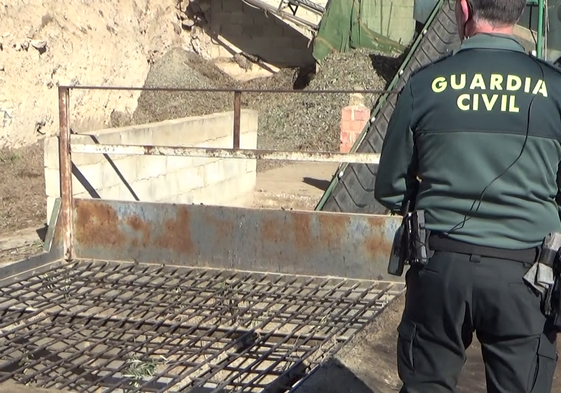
x=252 y=31
x=229 y=182
x=283 y=44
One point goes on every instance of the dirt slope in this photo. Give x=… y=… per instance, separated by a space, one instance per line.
x=90 y=42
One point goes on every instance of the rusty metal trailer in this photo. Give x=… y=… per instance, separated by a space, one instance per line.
x=155 y=297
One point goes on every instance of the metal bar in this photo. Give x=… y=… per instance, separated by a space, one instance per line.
x=237 y=117
x=539 y=44
x=210 y=152
x=227 y=90
x=281 y=14
x=50 y=236
x=80 y=325
x=309 y=5
x=65 y=161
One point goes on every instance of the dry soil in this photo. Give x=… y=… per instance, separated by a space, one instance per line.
x=287 y=121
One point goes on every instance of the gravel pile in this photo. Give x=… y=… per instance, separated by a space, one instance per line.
x=312 y=121
x=179 y=68
x=286 y=121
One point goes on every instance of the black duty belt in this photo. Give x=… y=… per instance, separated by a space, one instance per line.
x=443 y=243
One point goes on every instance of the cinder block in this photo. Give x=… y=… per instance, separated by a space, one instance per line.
x=232 y=29
x=250 y=166
x=176 y=163
x=230 y=7
x=51 y=156
x=243 y=200
x=150 y=166
x=139 y=135
x=248 y=140
x=160 y=178
x=221 y=142
x=143 y=189
x=199 y=162
x=206 y=195
x=92 y=177
x=50 y=206
x=246 y=183
x=190 y=179
x=52 y=182
x=115 y=193
x=217 y=172
x=165 y=186
x=123 y=170
x=252 y=30
x=183 y=198
x=127 y=192
x=249 y=120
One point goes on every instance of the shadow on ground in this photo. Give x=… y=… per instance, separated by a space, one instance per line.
x=367 y=363
x=317 y=183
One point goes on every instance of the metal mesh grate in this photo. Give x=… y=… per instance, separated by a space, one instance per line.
x=130 y=327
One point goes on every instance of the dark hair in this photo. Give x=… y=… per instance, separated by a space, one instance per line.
x=498 y=12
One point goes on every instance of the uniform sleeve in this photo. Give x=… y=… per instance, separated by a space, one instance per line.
x=398 y=164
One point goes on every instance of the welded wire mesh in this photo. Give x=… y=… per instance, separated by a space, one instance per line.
x=100 y=326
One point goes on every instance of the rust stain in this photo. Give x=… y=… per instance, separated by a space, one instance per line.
x=334 y=229
x=301 y=229
x=377 y=245
x=273 y=230
x=224 y=228
x=177 y=233
x=97 y=224
x=139 y=225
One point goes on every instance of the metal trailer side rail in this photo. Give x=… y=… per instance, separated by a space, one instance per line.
x=66 y=147
x=135 y=296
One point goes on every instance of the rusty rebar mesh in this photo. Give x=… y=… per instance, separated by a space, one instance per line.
x=100 y=326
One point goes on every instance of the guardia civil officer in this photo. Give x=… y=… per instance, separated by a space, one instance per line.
x=481 y=130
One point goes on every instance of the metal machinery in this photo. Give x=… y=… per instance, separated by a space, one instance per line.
x=288 y=9
x=351 y=189
x=154 y=297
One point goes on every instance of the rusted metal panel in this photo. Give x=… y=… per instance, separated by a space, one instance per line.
x=292 y=242
x=65 y=170
x=237 y=118
x=53 y=255
x=358 y=158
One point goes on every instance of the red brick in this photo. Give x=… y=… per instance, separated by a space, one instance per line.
x=361 y=113
x=357 y=126
x=353 y=137
x=347 y=113
x=345 y=147
x=346 y=125
x=345 y=136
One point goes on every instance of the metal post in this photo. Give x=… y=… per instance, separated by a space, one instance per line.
x=65 y=162
x=237 y=117
x=540 y=48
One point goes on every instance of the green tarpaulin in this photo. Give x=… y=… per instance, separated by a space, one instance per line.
x=345 y=25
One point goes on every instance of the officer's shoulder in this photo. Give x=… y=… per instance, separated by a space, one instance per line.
x=548 y=66
x=431 y=64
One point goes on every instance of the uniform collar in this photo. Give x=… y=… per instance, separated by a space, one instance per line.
x=492 y=41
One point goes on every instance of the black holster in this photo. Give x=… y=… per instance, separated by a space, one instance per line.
x=410 y=245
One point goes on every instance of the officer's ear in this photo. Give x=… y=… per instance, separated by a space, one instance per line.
x=467 y=10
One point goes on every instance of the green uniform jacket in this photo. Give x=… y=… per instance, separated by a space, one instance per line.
x=482 y=130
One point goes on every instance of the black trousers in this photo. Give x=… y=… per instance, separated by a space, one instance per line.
x=452 y=297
